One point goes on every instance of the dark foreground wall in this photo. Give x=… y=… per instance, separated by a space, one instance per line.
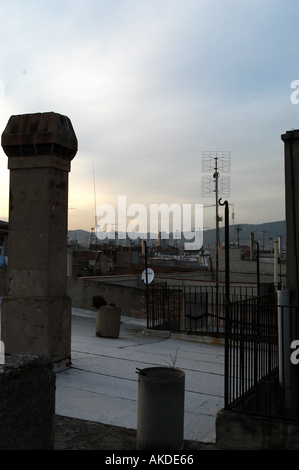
x=27 y=403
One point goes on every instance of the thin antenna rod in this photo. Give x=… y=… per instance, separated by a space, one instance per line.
x=216 y=176
x=95 y=201
x=95 y=212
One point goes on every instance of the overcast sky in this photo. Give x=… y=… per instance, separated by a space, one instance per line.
x=151 y=84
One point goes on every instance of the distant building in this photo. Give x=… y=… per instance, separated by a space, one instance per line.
x=3 y=238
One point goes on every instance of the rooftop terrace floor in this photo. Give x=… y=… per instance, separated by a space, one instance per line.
x=101 y=385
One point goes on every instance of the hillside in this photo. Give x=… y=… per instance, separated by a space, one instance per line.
x=263 y=233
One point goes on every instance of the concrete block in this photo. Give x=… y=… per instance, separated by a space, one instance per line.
x=27 y=403
x=243 y=431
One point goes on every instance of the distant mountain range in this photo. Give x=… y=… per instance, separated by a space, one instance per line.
x=263 y=233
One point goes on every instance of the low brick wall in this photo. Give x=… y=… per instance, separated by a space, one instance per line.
x=131 y=300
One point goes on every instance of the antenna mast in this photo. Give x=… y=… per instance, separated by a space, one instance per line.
x=95 y=209
x=214 y=161
x=95 y=202
x=216 y=176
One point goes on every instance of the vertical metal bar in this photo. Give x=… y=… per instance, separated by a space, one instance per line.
x=242 y=368
x=269 y=339
x=255 y=358
x=246 y=347
x=195 y=307
x=227 y=366
x=258 y=267
x=227 y=300
x=216 y=175
x=146 y=281
x=284 y=342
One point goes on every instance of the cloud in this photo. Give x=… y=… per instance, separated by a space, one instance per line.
x=150 y=85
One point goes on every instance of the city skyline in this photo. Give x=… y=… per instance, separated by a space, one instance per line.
x=264 y=233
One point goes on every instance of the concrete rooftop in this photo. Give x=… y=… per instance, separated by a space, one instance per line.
x=101 y=385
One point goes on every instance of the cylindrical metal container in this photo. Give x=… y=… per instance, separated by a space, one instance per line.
x=160 y=416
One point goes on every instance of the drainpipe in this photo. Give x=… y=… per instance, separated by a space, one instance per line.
x=227 y=306
x=284 y=342
x=258 y=268
x=251 y=246
x=275 y=264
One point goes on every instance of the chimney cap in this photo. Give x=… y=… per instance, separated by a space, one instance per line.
x=39 y=134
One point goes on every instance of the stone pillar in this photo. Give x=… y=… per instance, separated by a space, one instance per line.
x=36 y=313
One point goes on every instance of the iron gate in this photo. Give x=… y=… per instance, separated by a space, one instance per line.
x=251 y=352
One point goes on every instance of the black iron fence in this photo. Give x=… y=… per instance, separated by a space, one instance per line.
x=165 y=307
x=251 y=350
x=257 y=358
x=257 y=346
x=193 y=308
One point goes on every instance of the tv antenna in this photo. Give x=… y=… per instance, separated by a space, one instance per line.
x=215 y=183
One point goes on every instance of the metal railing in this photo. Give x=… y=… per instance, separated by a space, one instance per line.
x=204 y=307
x=257 y=358
x=192 y=308
x=257 y=346
x=165 y=307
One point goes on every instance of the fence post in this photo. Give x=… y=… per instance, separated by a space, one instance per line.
x=146 y=281
x=284 y=348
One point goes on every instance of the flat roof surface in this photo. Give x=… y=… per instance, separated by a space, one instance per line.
x=101 y=385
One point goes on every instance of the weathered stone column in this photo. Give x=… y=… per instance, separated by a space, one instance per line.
x=36 y=313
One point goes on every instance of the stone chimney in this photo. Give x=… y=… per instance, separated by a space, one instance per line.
x=36 y=313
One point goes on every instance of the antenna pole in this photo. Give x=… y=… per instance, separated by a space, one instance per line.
x=94 y=192
x=216 y=176
x=214 y=160
x=95 y=214
x=146 y=281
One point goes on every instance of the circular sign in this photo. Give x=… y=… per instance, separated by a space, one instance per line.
x=150 y=276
